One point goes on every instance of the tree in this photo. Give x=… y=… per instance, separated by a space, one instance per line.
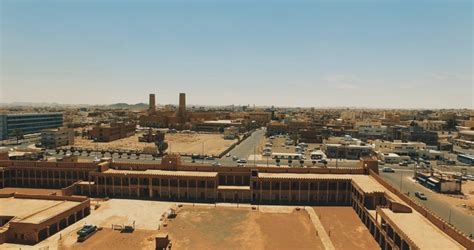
x=18 y=134
x=160 y=143
x=451 y=124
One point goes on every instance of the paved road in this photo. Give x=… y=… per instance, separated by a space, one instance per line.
x=249 y=145
x=402 y=180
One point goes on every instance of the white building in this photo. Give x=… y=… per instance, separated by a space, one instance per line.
x=399 y=147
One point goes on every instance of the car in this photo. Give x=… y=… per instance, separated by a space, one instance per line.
x=216 y=164
x=388 y=170
x=234 y=158
x=241 y=161
x=381 y=162
x=403 y=164
x=240 y=165
x=227 y=155
x=421 y=195
x=210 y=158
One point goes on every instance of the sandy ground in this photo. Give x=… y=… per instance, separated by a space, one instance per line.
x=111 y=239
x=241 y=228
x=145 y=214
x=345 y=229
x=213 y=144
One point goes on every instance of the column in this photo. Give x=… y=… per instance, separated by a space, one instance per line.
x=159 y=186
x=299 y=191
x=309 y=192
x=279 y=193
x=138 y=186
x=187 y=188
x=121 y=186
x=150 y=187
x=205 y=190
x=179 y=189
x=271 y=197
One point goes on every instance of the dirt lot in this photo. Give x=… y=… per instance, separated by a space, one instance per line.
x=241 y=228
x=213 y=144
x=345 y=229
x=111 y=239
x=464 y=202
x=145 y=214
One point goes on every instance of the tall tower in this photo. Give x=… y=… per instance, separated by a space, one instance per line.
x=152 y=105
x=182 y=104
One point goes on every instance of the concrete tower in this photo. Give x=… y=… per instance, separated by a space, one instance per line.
x=152 y=105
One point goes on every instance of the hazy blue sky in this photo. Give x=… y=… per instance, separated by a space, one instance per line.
x=406 y=54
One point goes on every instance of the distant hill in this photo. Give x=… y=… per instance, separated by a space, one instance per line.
x=128 y=106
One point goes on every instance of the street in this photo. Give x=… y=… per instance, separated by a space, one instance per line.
x=402 y=180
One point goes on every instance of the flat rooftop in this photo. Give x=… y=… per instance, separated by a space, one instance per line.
x=33 y=211
x=365 y=182
x=163 y=173
x=424 y=234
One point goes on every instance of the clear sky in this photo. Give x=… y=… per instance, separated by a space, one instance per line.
x=396 y=54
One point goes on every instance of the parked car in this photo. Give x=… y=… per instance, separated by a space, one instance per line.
x=421 y=195
x=388 y=170
x=241 y=161
x=210 y=158
x=240 y=165
x=403 y=163
x=216 y=164
x=381 y=162
x=234 y=158
x=227 y=155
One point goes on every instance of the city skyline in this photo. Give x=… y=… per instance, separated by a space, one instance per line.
x=322 y=54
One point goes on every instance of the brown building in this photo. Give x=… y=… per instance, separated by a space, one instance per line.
x=113 y=131
x=29 y=219
x=392 y=218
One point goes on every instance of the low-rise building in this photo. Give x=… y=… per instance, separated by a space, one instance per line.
x=372 y=132
x=277 y=128
x=216 y=126
x=113 y=131
x=231 y=133
x=399 y=147
x=53 y=138
x=350 y=152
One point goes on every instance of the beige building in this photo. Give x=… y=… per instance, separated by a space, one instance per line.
x=53 y=138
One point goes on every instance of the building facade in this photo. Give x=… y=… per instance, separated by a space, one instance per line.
x=387 y=214
x=53 y=138
x=28 y=123
x=113 y=131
